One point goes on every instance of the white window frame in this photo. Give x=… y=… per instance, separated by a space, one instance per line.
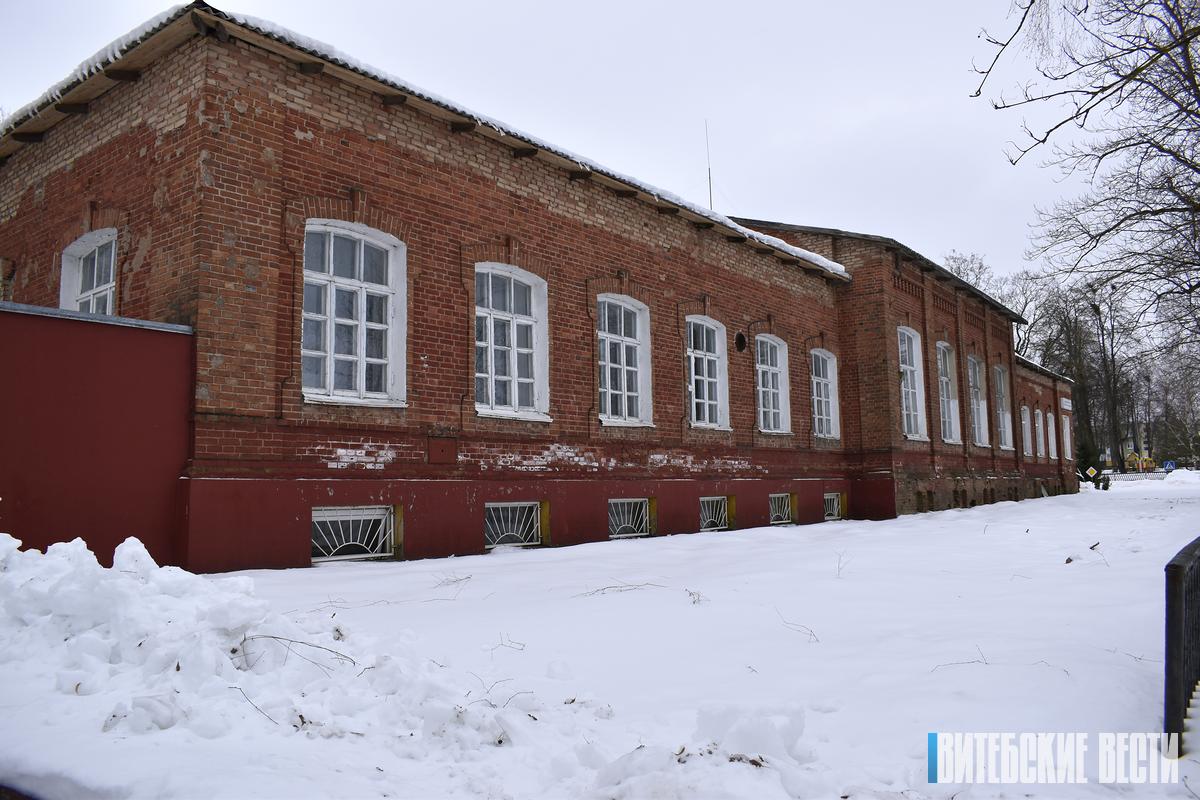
x=977 y=392
x=912 y=384
x=765 y=378
x=71 y=292
x=1039 y=426
x=641 y=312
x=396 y=320
x=825 y=427
x=1051 y=436
x=1003 y=410
x=948 y=393
x=631 y=512
x=1068 y=451
x=539 y=319
x=720 y=357
x=1026 y=431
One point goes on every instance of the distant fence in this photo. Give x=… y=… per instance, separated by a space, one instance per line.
x=1157 y=475
x=1182 y=656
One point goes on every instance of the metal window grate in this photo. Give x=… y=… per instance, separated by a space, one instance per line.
x=345 y=532
x=833 y=505
x=628 y=518
x=518 y=524
x=781 y=509
x=714 y=513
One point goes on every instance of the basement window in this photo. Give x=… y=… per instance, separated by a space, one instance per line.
x=89 y=273
x=714 y=513
x=833 y=505
x=781 y=509
x=628 y=518
x=352 y=532
x=514 y=524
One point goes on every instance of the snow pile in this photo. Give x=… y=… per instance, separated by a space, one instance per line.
x=1182 y=477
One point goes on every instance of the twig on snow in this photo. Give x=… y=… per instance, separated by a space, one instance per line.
x=251 y=702
x=981 y=660
x=621 y=587
x=796 y=626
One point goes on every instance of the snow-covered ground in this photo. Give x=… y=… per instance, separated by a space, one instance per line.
x=788 y=662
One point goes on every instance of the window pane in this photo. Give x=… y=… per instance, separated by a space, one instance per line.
x=524 y=365
x=481 y=390
x=345 y=375
x=525 y=395
x=314 y=335
x=614 y=378
x=500 y=361
x=345 y=257
x=481 y=359
x=712 y=367
x=85 y=306
x=88 y=278
x=481 y=329
x=602 y=316
x=376 y=376
x=501 y=292
x=525 y=336
x=522 y=298
x=710 y=340
x=712 y=412
x=481 y=290
x=345 y=340
x=614 y=352
x=502 y=393
x=630 y=355
x=697 y=335
x=314 y=372
x=374 y=265
x=632 y=404
x=630 y=324
x=614 y=318
x=104 y=259
x=376 y=343
x=376 y=308
x=100 y=304
x=345 y=304
x=501 y=332
x=631 y=380
x=314 y=252
x=314 y=298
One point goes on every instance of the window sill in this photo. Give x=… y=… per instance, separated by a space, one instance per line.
x=952 y=441
x=775 y=433
x=916 y=437
x=616 y=422
x=520 y=416
x=370 y=402
x=833 y=437
x=985 y=445
x=699 y=427
x=1009 y=449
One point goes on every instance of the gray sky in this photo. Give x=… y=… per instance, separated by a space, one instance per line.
x=846 y=115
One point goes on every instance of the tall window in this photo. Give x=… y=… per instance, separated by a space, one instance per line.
x=1051 y=436
x=1026 y=432
x=89 y=271
x=826 y=413
x=708 y=371
x=947 y=392
x=912 y=383
x=353 y=336
x=511 y=343
x=1040 y=431
x=978 y=395
x=1002 y=406
x=623 y=328
x=1068 y=452
x=771 y=367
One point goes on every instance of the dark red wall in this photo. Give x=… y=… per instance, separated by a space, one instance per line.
x=94 y=429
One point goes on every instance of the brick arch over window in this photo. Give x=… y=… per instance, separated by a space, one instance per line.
x=354 y=207
x=506 y=251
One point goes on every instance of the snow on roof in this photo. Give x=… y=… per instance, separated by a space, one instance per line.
x=115 y=49
x=1025 y=361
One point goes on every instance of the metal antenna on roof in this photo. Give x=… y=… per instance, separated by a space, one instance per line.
x=708 y=158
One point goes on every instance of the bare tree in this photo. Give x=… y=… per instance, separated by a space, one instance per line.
x=1121 y=74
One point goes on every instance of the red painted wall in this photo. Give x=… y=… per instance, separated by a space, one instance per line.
x=94 y=430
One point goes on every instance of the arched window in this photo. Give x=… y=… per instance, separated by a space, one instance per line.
x=771 y=382
x=1040 y=431
x=623 y=332
x=708 y=373
x=978 y=395
x=1002 y=406
x=512 y=351
x=827 y=422
x=1068 y=452
x=1051 y=436
x=948 y=392
x=1026 y=432
x=89 y=273
x=352 y=345
x=912 y=384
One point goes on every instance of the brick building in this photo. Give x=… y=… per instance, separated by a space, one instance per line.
x=341 y=315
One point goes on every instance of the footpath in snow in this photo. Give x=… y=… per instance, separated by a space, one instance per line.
x=791 y=662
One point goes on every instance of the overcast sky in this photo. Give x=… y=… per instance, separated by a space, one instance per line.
x=844 y=115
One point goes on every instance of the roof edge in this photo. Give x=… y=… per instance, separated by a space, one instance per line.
x=1030 y=364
